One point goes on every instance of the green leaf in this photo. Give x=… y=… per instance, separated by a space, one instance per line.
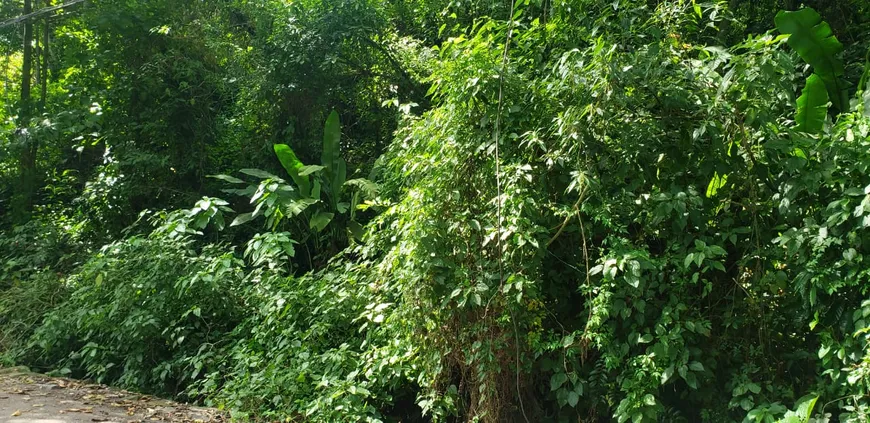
x=716 y=183
x=646 y=339
x=257 y=173
x=667 y=374
x=824 y=351
x=356 y=229
x=320 y=220
x=803 y=410
x=297 y=207
x=557 y=380
x=689 y=259
x=227 y=178
x=813 y=40
x=696 y=366
x=365 y=186
x=340 y=175
x=242 y=219
x=812 y=106
x=649 y=399
x=331 y=142
x=307 y=170
x=573 y=398
x=294 y=168
x=691 y=380
x=315 y=190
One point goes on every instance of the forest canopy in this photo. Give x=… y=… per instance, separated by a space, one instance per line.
x=441 y=210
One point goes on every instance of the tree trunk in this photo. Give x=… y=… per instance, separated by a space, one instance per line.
x=23 y=201
x=36 y=60
x=44 y=78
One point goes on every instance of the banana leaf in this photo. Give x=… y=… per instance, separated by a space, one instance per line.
x=813 y=40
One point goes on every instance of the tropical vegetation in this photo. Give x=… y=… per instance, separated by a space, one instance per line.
x=442 y=210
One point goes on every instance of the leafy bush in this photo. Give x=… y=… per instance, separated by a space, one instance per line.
x=146 y=312
x=23 y=307
x=601 y=214
x=35 y=258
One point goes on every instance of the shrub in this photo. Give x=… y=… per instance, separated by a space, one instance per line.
x=145 y=313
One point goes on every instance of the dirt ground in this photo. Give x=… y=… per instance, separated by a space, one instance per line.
x=27 y=397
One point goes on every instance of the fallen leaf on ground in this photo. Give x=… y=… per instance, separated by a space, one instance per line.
x=79 y=410
x=16 y=413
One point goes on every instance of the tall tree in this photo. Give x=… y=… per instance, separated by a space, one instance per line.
x=43 y=78
x=27 y=165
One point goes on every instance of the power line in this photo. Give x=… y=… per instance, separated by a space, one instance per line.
x=39 y=13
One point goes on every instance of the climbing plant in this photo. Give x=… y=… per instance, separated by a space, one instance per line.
x=443 y=211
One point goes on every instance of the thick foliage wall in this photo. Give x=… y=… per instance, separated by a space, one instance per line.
x=597 y=212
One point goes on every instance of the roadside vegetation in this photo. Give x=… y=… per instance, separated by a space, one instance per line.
x=433 y=210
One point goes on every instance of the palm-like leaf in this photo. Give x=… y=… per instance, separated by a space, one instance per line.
x=812 y=106
x=813 y=40
x=294 y=167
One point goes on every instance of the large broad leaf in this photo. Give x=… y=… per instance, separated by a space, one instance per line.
x=364 y=189
x=296 y=208
x=803 y=412
x=338 y=178
x=257 y=173
x=812 y=106
x=331 y=143
x=814 y=41
x=320 y=220
x=293 y=166
x=227 y=178
x=366 y=186
x=242 y=219
x=336 y=168
x=307 y=170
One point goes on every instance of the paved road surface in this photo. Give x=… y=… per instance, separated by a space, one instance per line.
x=32 y=398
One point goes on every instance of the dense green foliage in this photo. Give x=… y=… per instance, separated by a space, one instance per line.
x=426 y=210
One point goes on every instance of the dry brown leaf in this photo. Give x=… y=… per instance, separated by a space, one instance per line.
x=80 y=410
